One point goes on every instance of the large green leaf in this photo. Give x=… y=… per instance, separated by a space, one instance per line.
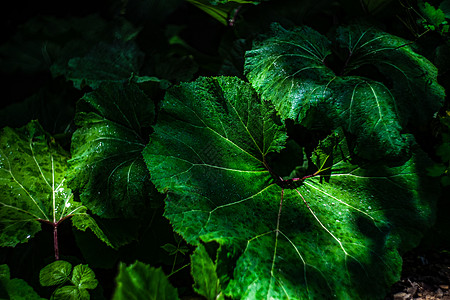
x=290 y=68
x=107 y=168
x=335 y=236
x=33 y=187
x=141 y=281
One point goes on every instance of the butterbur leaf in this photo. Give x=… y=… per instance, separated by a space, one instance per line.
x=105 y=62
x=55 y=273
x=289 y=68
x=33 y=187
x=336 y=234
x=107 y=168
x=141 y=281
x=15 y=288
x=206 y=282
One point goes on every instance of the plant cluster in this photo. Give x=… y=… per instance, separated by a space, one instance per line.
x=223 y=149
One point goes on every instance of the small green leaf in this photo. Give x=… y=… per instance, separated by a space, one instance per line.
x=170 y=248
x=141 y=281
x=55 y=273
x=83 y=277
x=203 y=270
x=70 y=292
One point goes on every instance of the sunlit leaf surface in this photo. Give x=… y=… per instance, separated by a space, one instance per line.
x=33 y=187
x=292 y=69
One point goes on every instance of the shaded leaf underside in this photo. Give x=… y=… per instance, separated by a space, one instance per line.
x=208 y=151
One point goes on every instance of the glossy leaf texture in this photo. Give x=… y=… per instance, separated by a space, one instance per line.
x=58 y=273
x=141 y=281
x=33 y=187
x=337 y=235
x=106 y=167
x=395 y=86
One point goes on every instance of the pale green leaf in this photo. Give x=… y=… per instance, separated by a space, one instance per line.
x=83 y=277
x=55 y=273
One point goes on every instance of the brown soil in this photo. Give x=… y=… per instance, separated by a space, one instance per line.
x=425 y=276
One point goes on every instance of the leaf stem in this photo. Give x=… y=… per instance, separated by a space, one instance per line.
x=55 y=240
x=55 y=233
x=232 y=20
x=186 y=265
